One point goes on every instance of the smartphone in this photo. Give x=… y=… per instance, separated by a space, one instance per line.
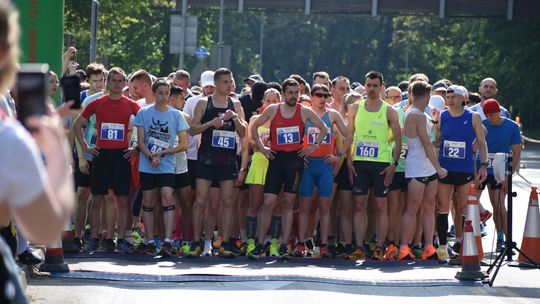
x=71 y=88
x=31 y=91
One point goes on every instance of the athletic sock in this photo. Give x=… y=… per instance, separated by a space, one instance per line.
x=442 y=228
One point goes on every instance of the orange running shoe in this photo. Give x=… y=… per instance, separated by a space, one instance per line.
x=391 y=252
x=217 y=242
x=430 y=253
x=405 y=253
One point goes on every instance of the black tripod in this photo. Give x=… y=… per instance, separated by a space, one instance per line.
x=509 y=245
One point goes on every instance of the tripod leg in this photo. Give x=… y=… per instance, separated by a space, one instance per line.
x=497 y=266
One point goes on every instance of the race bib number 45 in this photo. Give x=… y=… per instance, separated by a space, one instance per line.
x=313 y=133
x=156 y=145
x=112 y=131
x=224 y=139
x=288 y=135
x=454 y=149
x=367 y=149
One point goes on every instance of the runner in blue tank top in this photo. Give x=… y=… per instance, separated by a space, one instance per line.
x=458 y=129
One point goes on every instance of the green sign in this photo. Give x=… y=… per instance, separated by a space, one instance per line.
x=42 y=32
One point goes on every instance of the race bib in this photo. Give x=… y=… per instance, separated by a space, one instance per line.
x=454 y=149
x=313 y=133
x=489 y=160
x=156 y=145
x=288 y=135
x=224 y=139
x=404 y=151
x=112 y=131
x=367 y=149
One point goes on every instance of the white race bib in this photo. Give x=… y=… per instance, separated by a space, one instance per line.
x=313 y=133
x=367 y=149
x=112 y=131
x=224 y=139
x=156 y=145
x=288 y=135
x=454 y=149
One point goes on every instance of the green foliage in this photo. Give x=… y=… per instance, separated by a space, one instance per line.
x=134 y=34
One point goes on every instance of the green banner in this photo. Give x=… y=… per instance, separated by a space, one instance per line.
x=42 y=32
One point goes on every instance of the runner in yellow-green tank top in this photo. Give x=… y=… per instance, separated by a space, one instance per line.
x=371 y=164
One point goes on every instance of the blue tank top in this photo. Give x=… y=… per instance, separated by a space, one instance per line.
x=457 y=136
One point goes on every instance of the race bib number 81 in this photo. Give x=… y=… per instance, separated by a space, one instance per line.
x=112 y=131
x=367 y=149
x=224 y=139
x=288 y=135
x=454 y=149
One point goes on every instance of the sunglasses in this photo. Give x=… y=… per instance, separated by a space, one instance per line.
x=321 y=95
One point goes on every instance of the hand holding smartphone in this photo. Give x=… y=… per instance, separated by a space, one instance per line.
x=31 y=91
x=71 y=88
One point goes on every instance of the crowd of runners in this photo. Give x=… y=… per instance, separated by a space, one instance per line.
x=328 y=169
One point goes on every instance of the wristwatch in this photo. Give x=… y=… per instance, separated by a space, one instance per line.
x=485 y=164
x=316 y=144
x=395 y=163
x=339 y=154
x=235 y=117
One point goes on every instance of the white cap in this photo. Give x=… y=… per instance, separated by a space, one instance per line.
x=458 y=90
x=207 y=79
x=437 y=102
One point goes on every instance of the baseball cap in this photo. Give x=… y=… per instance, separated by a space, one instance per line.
x=491 y=106
x=254 y=77
x=458 y=90
x=437 y=102
x=207 y=79
x=439 y=86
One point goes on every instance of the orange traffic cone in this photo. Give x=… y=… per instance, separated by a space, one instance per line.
x=470 y=266
x=68 y=241
x=54 y=258
x=531 y=236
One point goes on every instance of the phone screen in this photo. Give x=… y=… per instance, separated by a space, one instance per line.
x=31 y=94
x=71 y=87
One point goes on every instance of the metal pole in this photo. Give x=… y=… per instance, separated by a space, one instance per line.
x=183 y=36
x=261 y=43
x=93 y=27
x=220 y=39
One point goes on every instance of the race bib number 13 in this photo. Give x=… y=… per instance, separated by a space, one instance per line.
x=288 y=135
x=112 y=131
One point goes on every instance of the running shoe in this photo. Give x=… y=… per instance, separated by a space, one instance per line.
x=451 y=252
x=250 y=246
x=224 y=253
x=442 y=253
x=483 y=230
x=500 y=245
x=485 y=216
x=358 y=254
x=283 y=251
x=452 y=231
x=274 y=248
x=109 y=244
x=299 y=251
x=378 y=254
x=417 y=251
x=309 y=244
x=167 y=250
x=123 y=246
x=137 y=236
x=217 y=242
x=150 y=249
x=256 y=253
x=456 y=247
x=324 y=253
x=391 y=252
x=405 y=253
x=195 y=251
x=185 y=248
x=232 y=248
x=207 y=252
x=430 y=253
